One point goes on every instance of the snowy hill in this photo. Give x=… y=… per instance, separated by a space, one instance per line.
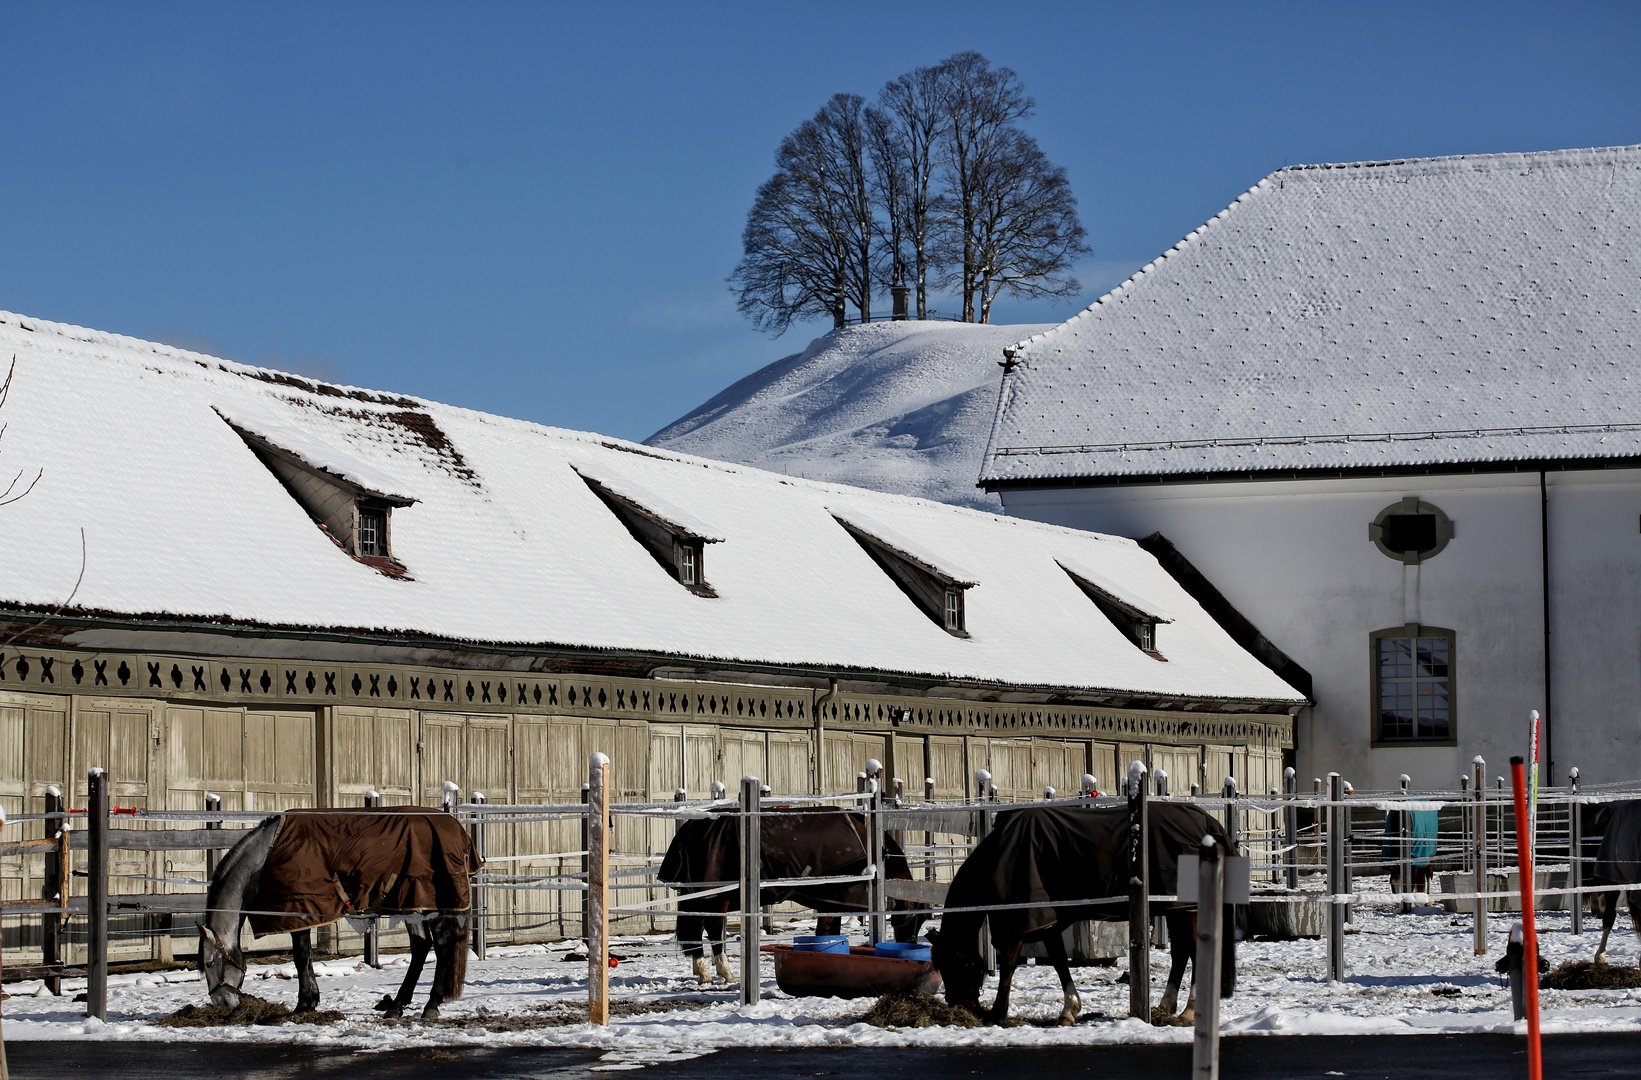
x=903 y=407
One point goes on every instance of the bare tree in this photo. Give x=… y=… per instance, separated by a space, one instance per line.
x=981 y=108
x=808 y=242
x=1026 y=232
x=912 y=112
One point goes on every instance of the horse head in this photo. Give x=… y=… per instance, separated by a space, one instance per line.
x=223 y=965
x=961 y=969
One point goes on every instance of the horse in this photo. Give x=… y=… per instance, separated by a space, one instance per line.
x=1058 y=855
x=1617 y=863
x=811 y=841
x=307 y=868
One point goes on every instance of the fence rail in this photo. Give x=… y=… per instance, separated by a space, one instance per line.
x=1335 y=849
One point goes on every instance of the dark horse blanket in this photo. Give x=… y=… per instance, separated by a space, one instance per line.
x=1057 y=854
x=1619 y=858
x=328 y=864
x=814 y=841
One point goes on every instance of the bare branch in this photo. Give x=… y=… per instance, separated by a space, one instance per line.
x=58 y=610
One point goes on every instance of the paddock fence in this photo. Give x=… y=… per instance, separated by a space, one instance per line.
x=587 y=872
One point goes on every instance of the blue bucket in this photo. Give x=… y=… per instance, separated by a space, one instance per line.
x=827 y=943
x=894 y=950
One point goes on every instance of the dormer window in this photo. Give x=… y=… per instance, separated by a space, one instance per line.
x=676 y=540
x=372 y=534
x=351 y=502
x=1134 y=618
x=932 y=582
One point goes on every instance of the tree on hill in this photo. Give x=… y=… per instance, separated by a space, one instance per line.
x=935 y=185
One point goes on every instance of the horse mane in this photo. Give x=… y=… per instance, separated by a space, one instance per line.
x=236 y=878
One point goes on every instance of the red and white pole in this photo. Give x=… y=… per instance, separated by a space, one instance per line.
x=1529 y=944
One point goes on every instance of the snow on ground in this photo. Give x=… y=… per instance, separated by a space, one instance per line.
x=1407 y=974
x=902 y=407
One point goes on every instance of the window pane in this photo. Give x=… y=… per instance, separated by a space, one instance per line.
x=1433 y=658
x=1410 y=532
x=1396 y=711
x=1395 y=658
x=1433 y=712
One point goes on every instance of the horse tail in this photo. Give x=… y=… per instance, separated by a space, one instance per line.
x=463 y=934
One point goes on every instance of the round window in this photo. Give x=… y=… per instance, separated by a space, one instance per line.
x=1411 y=531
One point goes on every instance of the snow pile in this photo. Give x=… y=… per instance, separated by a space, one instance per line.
x=1409 y=974
x=903 y=407
x=507 y=544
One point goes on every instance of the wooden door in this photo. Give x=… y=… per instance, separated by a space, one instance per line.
x=791 y=763
x=1183 y=764
x=743 y=753
x=907 y=760
x=279 y=759
x=1102 y=762
x=846 y=754
x=373 y=750
x=1060 y=764
x=34 y=755
x=949 y=765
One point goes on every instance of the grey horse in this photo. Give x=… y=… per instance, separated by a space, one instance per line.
x=233 y=894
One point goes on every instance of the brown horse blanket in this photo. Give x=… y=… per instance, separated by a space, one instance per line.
x=1062 y=853
x=815 y=841
x=329 y=864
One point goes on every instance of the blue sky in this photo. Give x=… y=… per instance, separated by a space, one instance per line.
x=531 y=209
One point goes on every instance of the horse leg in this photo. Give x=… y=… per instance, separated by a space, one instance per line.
x=1006 y=962
x=1633 y=899
x=1062 y=965
x=1182 y=936
x=689 y=938
x=420 y=942
x=1227 y=953
x=828 y=924
x=1609 y=913
x=715 y=931
x=448 y=940
x=307 y=994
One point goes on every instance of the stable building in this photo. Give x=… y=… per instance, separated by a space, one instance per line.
x=224 y=579
x=1392 y=411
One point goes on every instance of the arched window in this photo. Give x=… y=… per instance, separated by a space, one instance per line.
x=1413 y=669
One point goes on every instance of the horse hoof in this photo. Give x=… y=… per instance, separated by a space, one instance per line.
x=385 y=1004
x=430 y=1013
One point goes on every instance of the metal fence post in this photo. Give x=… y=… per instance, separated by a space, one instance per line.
x=1336 y=878
x=373 y=933
x=982 y=827
x=1290 y=827
x=1160 y=778
x=876 y=891
x=1345 y=841
x=1575 y=851
x=96 y=870
x=1205 y=972
x=1090 y=785
x=1478 y=875
x=51 y=955
x=1139 y=897
x=751 y=888
x=1233 y=820
x=1404 y=850
x=598 y=890
x=213 y=805
x=480 y=902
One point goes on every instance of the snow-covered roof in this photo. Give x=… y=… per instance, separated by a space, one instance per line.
x=508 y=545
x=903 y=407
x=1375 y=315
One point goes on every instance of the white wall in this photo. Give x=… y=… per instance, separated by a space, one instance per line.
x=1295 y=558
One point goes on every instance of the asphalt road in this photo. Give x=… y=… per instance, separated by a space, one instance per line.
x=1286 y=1057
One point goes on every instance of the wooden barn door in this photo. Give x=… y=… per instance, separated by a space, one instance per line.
x=791 y=763
x=1182 y=764
x=373 y=750
x=34 y=742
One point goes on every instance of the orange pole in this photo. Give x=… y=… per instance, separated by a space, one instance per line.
x=1529 y=931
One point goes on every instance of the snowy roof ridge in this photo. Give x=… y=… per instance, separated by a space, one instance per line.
x=1012 y=352
x=507 y=547
x=1412 y=312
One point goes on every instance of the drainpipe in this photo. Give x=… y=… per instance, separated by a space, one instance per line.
x=1544 y=559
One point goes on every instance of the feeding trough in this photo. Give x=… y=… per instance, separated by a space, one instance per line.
x=856 y=973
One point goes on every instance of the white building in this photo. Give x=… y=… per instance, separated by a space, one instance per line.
x=1392 y=410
